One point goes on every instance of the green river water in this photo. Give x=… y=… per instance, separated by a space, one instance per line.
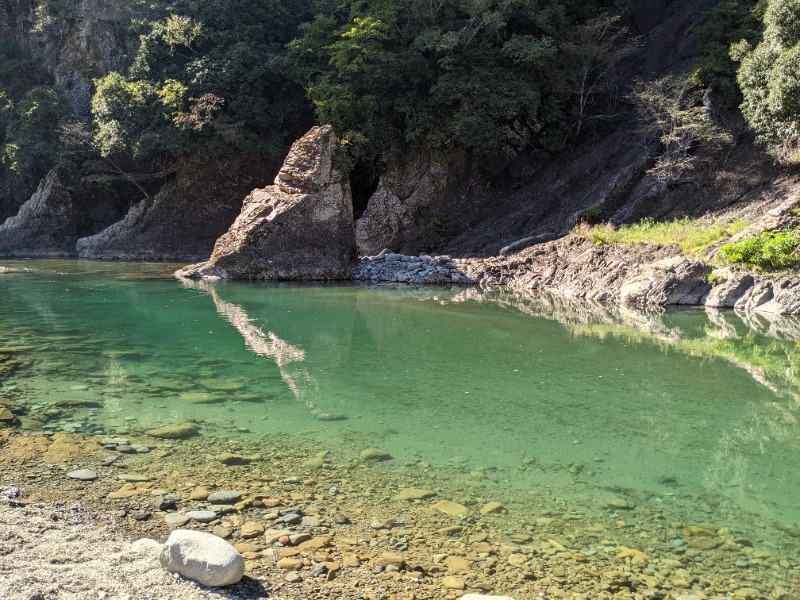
x=692 y=411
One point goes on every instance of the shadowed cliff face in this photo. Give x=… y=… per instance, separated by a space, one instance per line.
x=76 y=42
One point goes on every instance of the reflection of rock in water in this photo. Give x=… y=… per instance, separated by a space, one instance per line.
x=742 y=339
x=286 y=356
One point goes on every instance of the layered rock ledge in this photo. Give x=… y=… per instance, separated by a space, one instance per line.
x=644 y=275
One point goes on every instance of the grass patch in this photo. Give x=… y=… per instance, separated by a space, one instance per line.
x=690 y=234
x=770 y=251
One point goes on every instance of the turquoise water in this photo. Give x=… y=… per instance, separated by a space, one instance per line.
x=691 y=410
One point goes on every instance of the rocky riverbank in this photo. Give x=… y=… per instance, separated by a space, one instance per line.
x=347 y=522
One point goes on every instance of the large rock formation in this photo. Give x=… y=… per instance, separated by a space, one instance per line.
x=55 y=216
x=396 y=213
x=300 y=228
x=179 y=223
x=46 y=225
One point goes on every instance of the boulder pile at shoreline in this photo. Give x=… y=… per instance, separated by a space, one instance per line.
x=401 y=268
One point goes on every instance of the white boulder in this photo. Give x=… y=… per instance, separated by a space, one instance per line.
x=202 y=557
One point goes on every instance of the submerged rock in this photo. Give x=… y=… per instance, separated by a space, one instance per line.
x=301 y=227
x=174 y=432
x=82 y=475
x=202 y=557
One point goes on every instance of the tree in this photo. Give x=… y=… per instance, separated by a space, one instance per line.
x=671 y=112
x=769 y=78
x=592 y=52
x=32 y=134
x=208 y=82
x=726 y=23
x=490 y=77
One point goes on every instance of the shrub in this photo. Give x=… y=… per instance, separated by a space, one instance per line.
x=771 y=251
x=769 y=78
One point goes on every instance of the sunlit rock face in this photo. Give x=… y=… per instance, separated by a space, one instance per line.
x=299 y=228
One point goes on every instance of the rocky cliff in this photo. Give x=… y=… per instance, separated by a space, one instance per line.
x=179 y=223
x=76 y=42
x=299 y=228
x=55 y=216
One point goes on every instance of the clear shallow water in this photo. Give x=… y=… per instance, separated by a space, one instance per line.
x=691 y=411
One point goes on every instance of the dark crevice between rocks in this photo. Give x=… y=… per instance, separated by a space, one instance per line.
x=363 y=183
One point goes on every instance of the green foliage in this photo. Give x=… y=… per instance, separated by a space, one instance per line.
x=209 y=80
x=487 y=76
x=770 y=251
x=136 y=116
x=769 y=77
x=592 y=213
x=32 y=134
x=690 y=234
x=728 y=22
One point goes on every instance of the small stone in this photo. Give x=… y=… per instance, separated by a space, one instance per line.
x=293 y=577
x=484 y=597
x=310 y=522
x=224 y=497
x=251 y=529
x=202 y=516
x=375 y=454
x=352 y=561
x=620 y=504
x=390 y=558
x=82 y=475
x=126 y=491
x=226 y=458
x=202 y=557
x=133 y=478
x=289 y=564
x=199 y=493
x=340 y=519
x=414 y=494
x=330 y=417
x=163 y=504
x=492 y=507
x=748 y=593
x=517 y=560
x=704 y=543
x=176 y=519
x=315 y=543
x=317 y=461
x=222 y=532
x=174 y=432
x=451 y=508
x=458 y=564
x=141 y=515
x=6 y=415
x=451 y=582
x=290 y=518
x=698 y=531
